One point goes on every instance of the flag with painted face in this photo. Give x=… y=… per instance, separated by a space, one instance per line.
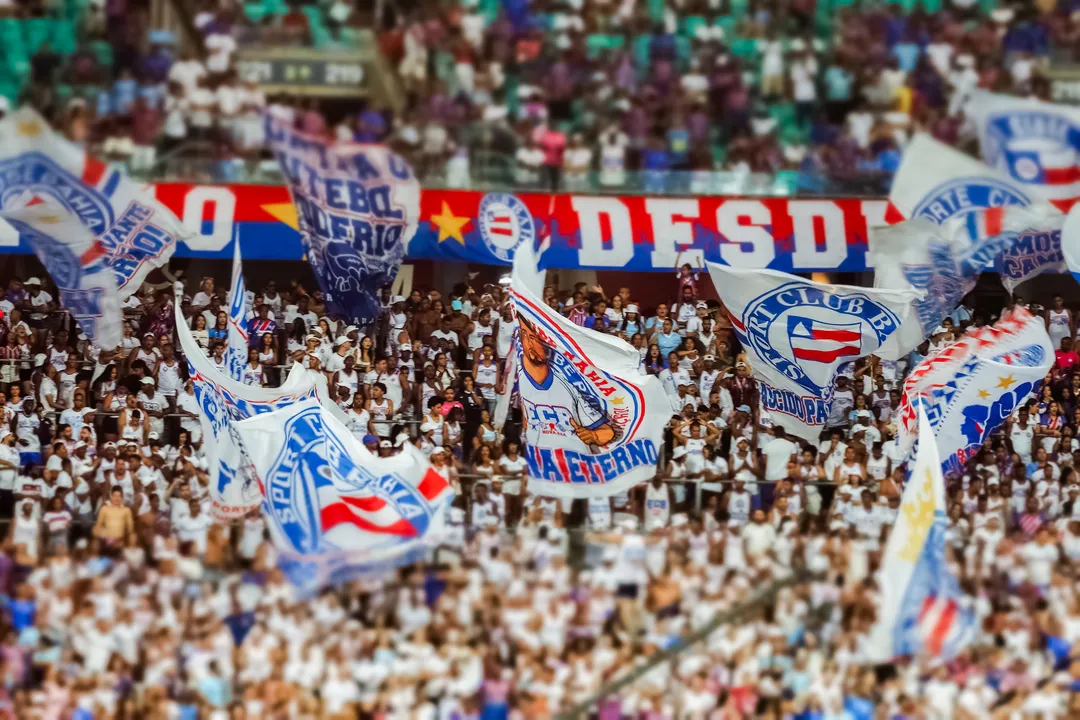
x=944 y=260
x=990 y=220
x=238 y=341
x=336 y=511
x=969 y=388
x=922 y=610
x=76 y=263
x=136 y=232
x=593 y=422
x=1036 y=143
x=223 y=402
x=798 y=334
x=357 y=205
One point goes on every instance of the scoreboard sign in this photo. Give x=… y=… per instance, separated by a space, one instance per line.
x=301 y=71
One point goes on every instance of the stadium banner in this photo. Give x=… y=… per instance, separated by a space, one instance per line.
x=222 y=401
x=357 y=208
x=78 y=266
x=797 y=335
x=943 y=186
x=336 y=511
x=236 y=350
x=922 y=611
x=136 y=232
x=1037 y=143
x=969 y=388
x=593 y=421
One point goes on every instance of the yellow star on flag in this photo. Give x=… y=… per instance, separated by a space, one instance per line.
x=984 y=394
x=1006 y=382
x=449 y=224
x=617 y=400
x=283 y=212
x=28 y=128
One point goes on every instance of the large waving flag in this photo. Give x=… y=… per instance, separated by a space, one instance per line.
x=969 y=388
x=593 y=422
x=224 y=402
x=988 y=218
x=237 y=351
x=135 y=231
x=358 y=207
x=922 y=611
x=798 y=334
x=1036 y=143
x=335 y=510
x=77 y=264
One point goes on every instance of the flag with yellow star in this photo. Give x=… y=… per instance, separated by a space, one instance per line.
x=970 y=388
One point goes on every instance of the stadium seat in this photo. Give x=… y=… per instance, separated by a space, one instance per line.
x=597 y=44
x=63 y=39
x=255 y=12
x=103 y=51
x=36 y=31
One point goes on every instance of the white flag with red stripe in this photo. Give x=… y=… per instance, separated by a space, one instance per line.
x=799 y=334
x=1035 y=143
x=922 y=611
x=134 y=231
x=335 y=510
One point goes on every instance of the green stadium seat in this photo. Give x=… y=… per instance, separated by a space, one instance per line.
x=276 y=7
x=255 y=12
x=63 y=40
x=743 y=47
x=641 y=52
x=103 y=51
x=690 y=25
x=36 y=31
x=597 y=44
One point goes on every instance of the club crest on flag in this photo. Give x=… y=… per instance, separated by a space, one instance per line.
x=34 y=174
x=966 y=197
x=1033 y=146
x=806 y=332
x=504 y=222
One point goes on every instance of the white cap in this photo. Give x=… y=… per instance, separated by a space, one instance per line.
x=702 y=305
x=632 y=307
x=385 y=443
x=341 y=340
x=401 y=439
x=153 y=436
x=438 y=450
x=147 y=381
x=351 y=328
x=78 y=446
x=396 y=299
x=679 y=452
x=110 y=445
x=33 y=281
x=427 y=426
x=40 y=359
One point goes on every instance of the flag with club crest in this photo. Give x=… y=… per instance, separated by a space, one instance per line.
x=238 y=342
x=922 y=610
x=77 y=264
x=336 y=511
x=988 y=220
x=969 y=388
x=222 y=403
x=798 y=334
x=136 y=233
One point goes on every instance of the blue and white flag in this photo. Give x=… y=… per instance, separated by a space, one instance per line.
x=1070 y=241
x=137 y=233
x=922 y=611
x=358 y=207
x=969 y=388
x=77 y=264
x=987 y=219
x=238 y=341
x=234 y=490
x=593 y=421
x=336 y=511
x=1036 y=143
x=797 y=335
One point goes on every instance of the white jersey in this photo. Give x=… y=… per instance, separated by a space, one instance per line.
x=380 y=413
x=169 y=382
x=600 y=513
x=738 y=507
x=487 y=375
x=26 y=429
x=1021 y=438
x=1058 y=327
x=657 y=507
x=476 y=337
x=552 y=418
x=877 y=467
x=502 y=343
x=705 y=383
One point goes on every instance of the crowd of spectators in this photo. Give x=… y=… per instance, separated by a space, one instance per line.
x=123 y=597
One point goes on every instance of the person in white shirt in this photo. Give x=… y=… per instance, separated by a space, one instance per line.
x=9 y=469
x=194 y=526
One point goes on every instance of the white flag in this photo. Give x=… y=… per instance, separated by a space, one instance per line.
x=798 y=333
x=136 y=232
x=593 y=422
x=223 y=402
x=335 y=510
x=237 y=351
x=922 y=611
x=1036 y=143
x=969 y=388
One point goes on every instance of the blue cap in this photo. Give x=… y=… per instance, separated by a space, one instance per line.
x=743 y=408
x=371 y=439
x=455 y=305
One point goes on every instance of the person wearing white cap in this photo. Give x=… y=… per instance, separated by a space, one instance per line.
x=27 y=423
x=336 y=361
x=9 y=469
x=40 y=301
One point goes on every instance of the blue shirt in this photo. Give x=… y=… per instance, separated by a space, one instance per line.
x=907 y=54
x=838 y=82
x=669 y=343
x=22 y=613
x=124 y=93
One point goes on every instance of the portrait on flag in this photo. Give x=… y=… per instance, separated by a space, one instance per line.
x=593 y=423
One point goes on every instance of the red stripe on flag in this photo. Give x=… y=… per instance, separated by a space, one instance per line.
x=501 y=219
x=1062 y=176
x=824 y=356
x=369 y=503
x=893 y=215
x=339 y=513
x=96 y=250
x=994 y=217
x=735 y=321
x=93 y=171
x=36 y=200
x=501 y=231
x=936 y=641
x=432 y=484
x=837 y=335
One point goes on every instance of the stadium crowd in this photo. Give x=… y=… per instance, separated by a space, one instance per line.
x=123 y=598
x=562 y=93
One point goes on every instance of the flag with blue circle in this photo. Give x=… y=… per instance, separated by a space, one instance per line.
x=357 y=206
x=238 y=340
